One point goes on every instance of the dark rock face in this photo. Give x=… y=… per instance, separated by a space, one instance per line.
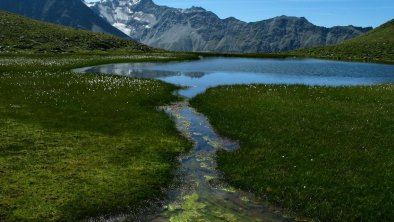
x=64 y=12
x=196 y=29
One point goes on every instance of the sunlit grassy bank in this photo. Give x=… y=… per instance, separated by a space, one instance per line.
x=74 y=146
x=323 y=153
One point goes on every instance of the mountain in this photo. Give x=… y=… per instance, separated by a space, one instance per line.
x=196 y=29
x=22 y=34
x=376 y=46
x=64 y=12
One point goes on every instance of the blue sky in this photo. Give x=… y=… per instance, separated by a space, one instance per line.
x=320 y=12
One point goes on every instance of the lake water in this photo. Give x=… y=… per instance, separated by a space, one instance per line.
x=202 y=194
x=205 y=73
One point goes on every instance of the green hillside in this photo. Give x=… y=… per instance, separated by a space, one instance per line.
x=375 y=46
x=21 y=34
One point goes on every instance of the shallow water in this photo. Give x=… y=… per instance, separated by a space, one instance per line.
x=202 y=195
x=205 y=73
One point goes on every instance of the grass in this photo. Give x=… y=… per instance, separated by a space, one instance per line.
x=21 y=34
x=323 y=153
x=77 y=146
x=375 y=46
x=65 y=62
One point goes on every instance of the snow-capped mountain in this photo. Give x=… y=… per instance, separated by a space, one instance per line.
x=64 y=12
x=125 y=15
x=196 y=29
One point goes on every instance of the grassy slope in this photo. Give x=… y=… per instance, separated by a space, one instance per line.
x=375 y=46
x=74 y=146
x=325 y=153
x=81 y=145
x=21 y=34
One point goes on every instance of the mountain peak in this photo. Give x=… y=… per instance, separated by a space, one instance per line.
x=65 y=12
x=120 y=2
x=196 y=29
x=290 y=18
x=129 y=2
x=193 y=9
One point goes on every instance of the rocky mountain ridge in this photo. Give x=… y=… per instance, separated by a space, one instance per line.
x=72 y=13
x=196 y=29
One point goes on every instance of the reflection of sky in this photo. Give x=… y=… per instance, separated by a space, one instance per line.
x=221 y=78
x=206 y=73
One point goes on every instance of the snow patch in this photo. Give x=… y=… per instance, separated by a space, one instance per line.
x=89 y=4
x=122 y=16
x=146 y=18
x=135 y=2
x=124 y=28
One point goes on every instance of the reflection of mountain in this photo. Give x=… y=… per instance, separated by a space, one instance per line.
x=139 y=72
x=194 y=74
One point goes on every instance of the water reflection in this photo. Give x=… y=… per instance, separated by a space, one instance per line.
x=201 y=74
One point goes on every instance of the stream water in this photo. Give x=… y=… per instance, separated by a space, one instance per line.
x=202 y=195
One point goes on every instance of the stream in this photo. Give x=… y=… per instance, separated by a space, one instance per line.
x=202 y=194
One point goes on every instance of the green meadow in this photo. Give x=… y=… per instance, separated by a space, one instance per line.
x=81 y=146
x=321 y=153
x=76 y=146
